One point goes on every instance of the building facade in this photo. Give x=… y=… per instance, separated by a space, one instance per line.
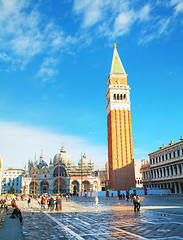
x=12 y=178
x=120 y=143
x=164 y=169
x=138 y=174
x=1 y=174
x=60 y=176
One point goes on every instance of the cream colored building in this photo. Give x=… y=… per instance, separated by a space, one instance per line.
x=1 y=173
x=164 y=169
x=138 y=174
x=12 y=177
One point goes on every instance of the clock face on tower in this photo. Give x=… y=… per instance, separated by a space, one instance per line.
x=118 y=81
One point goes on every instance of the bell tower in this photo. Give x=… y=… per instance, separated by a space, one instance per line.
x=120 y=142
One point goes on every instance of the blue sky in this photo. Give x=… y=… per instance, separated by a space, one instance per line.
x=55 y=58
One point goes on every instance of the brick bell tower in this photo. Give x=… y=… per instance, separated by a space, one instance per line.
x=120 y=142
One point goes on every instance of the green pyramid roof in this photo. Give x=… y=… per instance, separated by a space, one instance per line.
x=116 y=66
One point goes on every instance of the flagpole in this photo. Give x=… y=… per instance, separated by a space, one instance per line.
x=35 y=174
x=59 y=173
x=81 y=175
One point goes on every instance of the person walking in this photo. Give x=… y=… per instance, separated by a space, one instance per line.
x=42 y=203
x=138 y=203
x=96 y=201
x=59 y=203
x=29 y=201
x=135 y=203
x=51 y=203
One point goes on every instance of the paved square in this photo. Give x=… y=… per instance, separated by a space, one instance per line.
x=161 y=217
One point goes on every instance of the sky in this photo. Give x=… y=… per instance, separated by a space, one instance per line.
x=55 y=58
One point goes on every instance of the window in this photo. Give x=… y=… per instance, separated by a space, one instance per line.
x=169 y=155
x=178 y=152
x=117 y=96
x=121 y=97
x=174 y=154
x=162 y=157
x=114 y=97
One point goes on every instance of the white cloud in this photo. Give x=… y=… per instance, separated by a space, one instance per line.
x=19 y=144
x=118 y=15
x=178 y=6
x=161 y=27
x=123 y=23
x=26 y=33
x=91 y=10
x=48 y=69
x=144 y=13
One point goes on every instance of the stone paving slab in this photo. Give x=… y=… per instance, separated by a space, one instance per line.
x=11 y=228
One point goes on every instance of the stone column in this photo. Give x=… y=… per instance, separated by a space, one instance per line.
x=174 y=170
x=179 y=187
x=159 y=172
x=181 y=168
x=175 y=187
x=178 y=169
x=166 y=171
x=170 y=172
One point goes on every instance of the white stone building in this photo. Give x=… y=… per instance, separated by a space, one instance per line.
x=41 y=177
x=138 y=174
x=164 y=169
x=12 y=177
x=1 y=173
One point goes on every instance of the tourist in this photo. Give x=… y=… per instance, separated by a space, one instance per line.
x=59 y=203
x=138 y=203
x=28 y=201
x=135 y=203
x=17 y=214
x=51 y=203
x=43 y=204
x=96 y=201
x=13 y=203
x=56 y=204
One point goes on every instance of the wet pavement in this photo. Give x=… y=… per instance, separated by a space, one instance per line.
x=161 y=217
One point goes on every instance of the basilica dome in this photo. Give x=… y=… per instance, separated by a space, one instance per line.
x=62 y=156
x=41 y=162
x=86 y=161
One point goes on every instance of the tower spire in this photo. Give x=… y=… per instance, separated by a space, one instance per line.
x=116 y=65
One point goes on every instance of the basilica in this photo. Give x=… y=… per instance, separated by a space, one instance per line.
x=60 y=176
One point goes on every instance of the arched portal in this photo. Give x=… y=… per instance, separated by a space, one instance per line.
x=33 y=188
x=62 y=172
x=44 y=187
x=59 y=186
x=75 y=187
x=86 y=186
